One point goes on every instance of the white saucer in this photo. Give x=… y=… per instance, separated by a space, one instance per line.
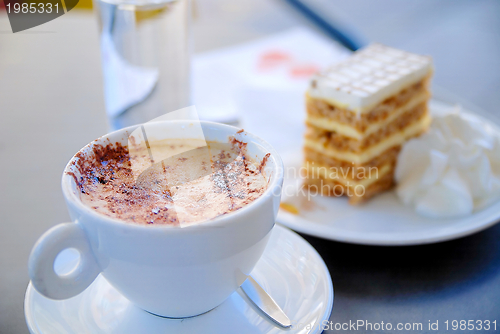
x=290 y=270
x=383 y=220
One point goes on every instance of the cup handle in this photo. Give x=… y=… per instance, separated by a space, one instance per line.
x=44 y=253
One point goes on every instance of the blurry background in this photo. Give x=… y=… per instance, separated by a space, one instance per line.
x=51 y=96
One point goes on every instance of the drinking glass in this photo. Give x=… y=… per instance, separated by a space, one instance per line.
x=145 y=54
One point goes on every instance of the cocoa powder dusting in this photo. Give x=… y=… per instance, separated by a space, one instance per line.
x=264 y=162
x=168 y=194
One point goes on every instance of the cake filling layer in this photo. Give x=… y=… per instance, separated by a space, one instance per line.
x=356 y=194
x=359 y=124
x=344 y=176
x=395 y=139
x=389 y=156
x=346 y=130
x=343 y=143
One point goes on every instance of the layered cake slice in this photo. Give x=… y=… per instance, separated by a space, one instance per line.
x=359 y=113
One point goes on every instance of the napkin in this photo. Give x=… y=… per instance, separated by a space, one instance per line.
x=261 y=84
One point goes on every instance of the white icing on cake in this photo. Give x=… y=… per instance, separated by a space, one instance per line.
x=368 y=77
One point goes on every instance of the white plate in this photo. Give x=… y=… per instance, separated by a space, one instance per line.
x=384 y=220
x=290 y=270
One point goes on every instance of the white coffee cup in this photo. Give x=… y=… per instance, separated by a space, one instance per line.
x=169 y=271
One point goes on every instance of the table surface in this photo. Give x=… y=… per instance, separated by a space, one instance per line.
x=51 y=103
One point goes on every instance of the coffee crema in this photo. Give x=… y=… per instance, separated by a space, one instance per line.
x=198 y=181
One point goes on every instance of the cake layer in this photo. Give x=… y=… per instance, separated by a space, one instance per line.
x=345 y=176
x=351 y=171
x=343 y=143
x=368 y=77
x=346 y=130
x=394 y=139
x=330 y=117
x=357 y=193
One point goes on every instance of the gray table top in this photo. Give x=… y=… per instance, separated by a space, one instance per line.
x=51 y=103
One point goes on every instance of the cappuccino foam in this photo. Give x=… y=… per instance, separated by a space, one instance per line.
x=197 y=182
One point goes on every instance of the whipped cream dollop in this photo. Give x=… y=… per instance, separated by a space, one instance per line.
x=451 y=170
